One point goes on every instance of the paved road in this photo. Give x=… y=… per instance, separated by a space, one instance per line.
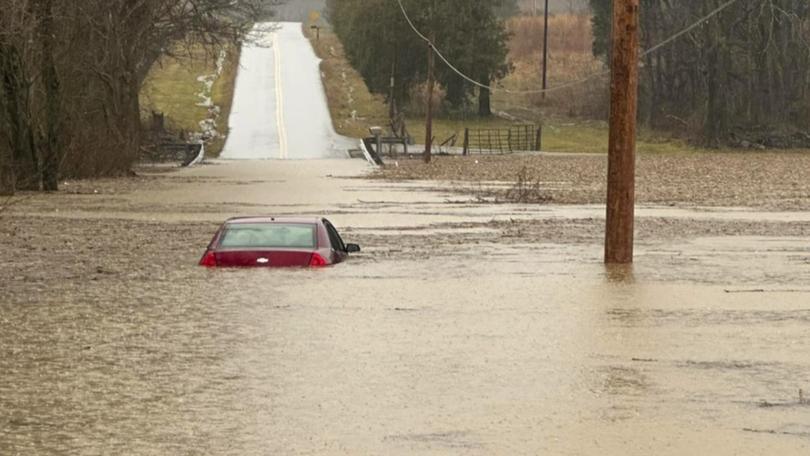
x=280 y=109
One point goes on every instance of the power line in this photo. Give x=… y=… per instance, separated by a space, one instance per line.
x=688 y=29
x=658 y=46
x=438 y=53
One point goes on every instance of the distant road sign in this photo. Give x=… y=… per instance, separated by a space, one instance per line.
x=314 y=16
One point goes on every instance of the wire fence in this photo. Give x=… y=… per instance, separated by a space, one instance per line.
x=518 y=138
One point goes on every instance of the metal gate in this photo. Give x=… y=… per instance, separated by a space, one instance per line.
x=518 y=138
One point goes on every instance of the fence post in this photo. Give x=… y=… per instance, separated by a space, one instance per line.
x=158 y=122
x=539 y=139
x=528 y=130
x=466 y=142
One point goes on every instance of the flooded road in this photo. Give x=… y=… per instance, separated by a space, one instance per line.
x=461 y=329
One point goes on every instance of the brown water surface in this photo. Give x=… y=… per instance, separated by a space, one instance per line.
x=461 y=329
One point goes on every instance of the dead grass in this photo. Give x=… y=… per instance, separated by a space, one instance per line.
x=173 y=89
x=570 y=59
x=352 y=106
x=568 y=33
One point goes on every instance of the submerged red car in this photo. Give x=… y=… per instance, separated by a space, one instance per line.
x=276 y=242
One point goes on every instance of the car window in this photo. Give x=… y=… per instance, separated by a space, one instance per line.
x=334 y=237
x=269 y=235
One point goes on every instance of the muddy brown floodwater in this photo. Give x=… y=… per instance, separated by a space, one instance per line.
x=462 y=328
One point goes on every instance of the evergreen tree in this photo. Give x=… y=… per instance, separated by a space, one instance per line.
x=601 y=20
x=380 y=44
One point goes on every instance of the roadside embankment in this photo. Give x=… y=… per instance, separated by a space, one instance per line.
x=194 y=90
x=352 y=106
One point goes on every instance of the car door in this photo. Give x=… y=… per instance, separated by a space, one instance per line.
x=338 y=247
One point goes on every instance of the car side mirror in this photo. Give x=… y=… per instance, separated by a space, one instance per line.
x=352 y=248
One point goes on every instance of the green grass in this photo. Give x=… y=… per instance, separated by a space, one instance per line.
x=558 y=136
x=592 y=137
x=172 y=88
x=574 y=138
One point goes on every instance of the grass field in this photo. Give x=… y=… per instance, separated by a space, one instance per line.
x=559 y=135
x=592 y=137
x=172 y=88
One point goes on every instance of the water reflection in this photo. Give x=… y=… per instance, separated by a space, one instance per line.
x=620 y=273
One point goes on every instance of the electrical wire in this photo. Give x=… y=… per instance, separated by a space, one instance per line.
x=683 y=32
x=658 y=46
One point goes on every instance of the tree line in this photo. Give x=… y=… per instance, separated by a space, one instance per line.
x=71 y=72
x=393 y=60
x=742 y=75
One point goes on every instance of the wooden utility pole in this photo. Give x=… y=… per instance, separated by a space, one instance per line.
x=392 y=105
x=545 y=49
x=622 y=147
x=430 y=84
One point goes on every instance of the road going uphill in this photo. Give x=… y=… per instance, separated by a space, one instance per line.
x=280 y=109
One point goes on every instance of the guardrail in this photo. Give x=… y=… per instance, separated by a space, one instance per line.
x=185 y=154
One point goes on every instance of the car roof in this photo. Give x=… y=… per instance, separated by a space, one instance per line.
x=271 y=219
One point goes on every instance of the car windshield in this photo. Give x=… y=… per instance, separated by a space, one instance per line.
x=269 y=235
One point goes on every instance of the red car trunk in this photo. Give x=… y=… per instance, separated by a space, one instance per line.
x=274 y=242
x=263 y=258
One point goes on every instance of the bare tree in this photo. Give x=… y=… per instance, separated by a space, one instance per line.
x=72 y=71
x=18 y=161
x=744 y=70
